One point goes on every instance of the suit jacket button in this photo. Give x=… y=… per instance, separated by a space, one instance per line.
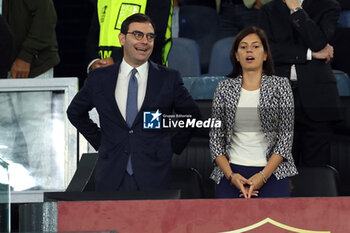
x=131 y=131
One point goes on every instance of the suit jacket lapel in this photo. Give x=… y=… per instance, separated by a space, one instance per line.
x=110 y=91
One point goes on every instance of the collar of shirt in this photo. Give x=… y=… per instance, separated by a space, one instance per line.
x=125 y=71
x=121 y=90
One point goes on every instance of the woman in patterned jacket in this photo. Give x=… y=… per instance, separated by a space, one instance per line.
x=252 y=148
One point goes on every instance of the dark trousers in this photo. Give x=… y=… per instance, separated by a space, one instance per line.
x=311 y=145
x=128 y=183
x=272 y=188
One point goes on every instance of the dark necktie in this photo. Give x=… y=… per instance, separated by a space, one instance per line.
x=131 y=109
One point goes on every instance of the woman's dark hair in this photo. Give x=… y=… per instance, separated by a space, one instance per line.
x=268 y=66
x=135 y=18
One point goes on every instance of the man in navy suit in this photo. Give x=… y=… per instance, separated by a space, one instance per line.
x=299 y=32
x=130 y=157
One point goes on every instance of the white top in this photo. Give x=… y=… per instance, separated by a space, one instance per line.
x=248 y=145
x=121 y=90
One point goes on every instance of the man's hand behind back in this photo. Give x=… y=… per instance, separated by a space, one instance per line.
x=102 y=63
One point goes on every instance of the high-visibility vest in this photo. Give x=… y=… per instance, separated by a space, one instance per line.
x=110 y=24
x=168 y=41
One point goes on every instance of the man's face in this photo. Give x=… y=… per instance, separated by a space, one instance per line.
x=137 y=52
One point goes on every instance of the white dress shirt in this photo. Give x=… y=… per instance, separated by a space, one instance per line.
x=121 y=90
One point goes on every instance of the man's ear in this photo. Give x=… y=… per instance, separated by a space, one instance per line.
x=121 y=37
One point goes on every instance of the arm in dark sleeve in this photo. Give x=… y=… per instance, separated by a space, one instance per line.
x=93 y=38
x=183 y=104
x=316 y=35
x=283 y=51
x=6 y=39
x=78 y=114
x=42 y=29
x=311 y=34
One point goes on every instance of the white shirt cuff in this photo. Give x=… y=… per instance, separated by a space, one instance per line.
x=90 y=64
x=309 y=55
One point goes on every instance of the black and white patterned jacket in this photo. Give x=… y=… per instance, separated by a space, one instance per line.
x=276 y=113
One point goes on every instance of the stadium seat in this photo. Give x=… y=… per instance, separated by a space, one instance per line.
x=188 y=180
x=184 y=56
x=188 y=81
x=196 y=155
x=344 y=19
x=315 y=182
x=199 y=23
x=83 y=179
x=203 y=88
x=343 y=82
x=220 y=63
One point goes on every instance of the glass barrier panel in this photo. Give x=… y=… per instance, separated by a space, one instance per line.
x=5 y=221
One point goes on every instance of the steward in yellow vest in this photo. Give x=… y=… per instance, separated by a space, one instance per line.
x=103 y=47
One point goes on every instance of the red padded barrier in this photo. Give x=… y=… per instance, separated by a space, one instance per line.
x=208 y=215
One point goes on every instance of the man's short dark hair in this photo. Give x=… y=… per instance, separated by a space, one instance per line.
x=135 y=18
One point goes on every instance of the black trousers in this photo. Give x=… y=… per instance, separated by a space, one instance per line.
x=128 y=183
x=311 y=145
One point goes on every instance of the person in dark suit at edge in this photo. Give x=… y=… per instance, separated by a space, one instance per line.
x=6 y=42
x=130 y=157
x=299 y=33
